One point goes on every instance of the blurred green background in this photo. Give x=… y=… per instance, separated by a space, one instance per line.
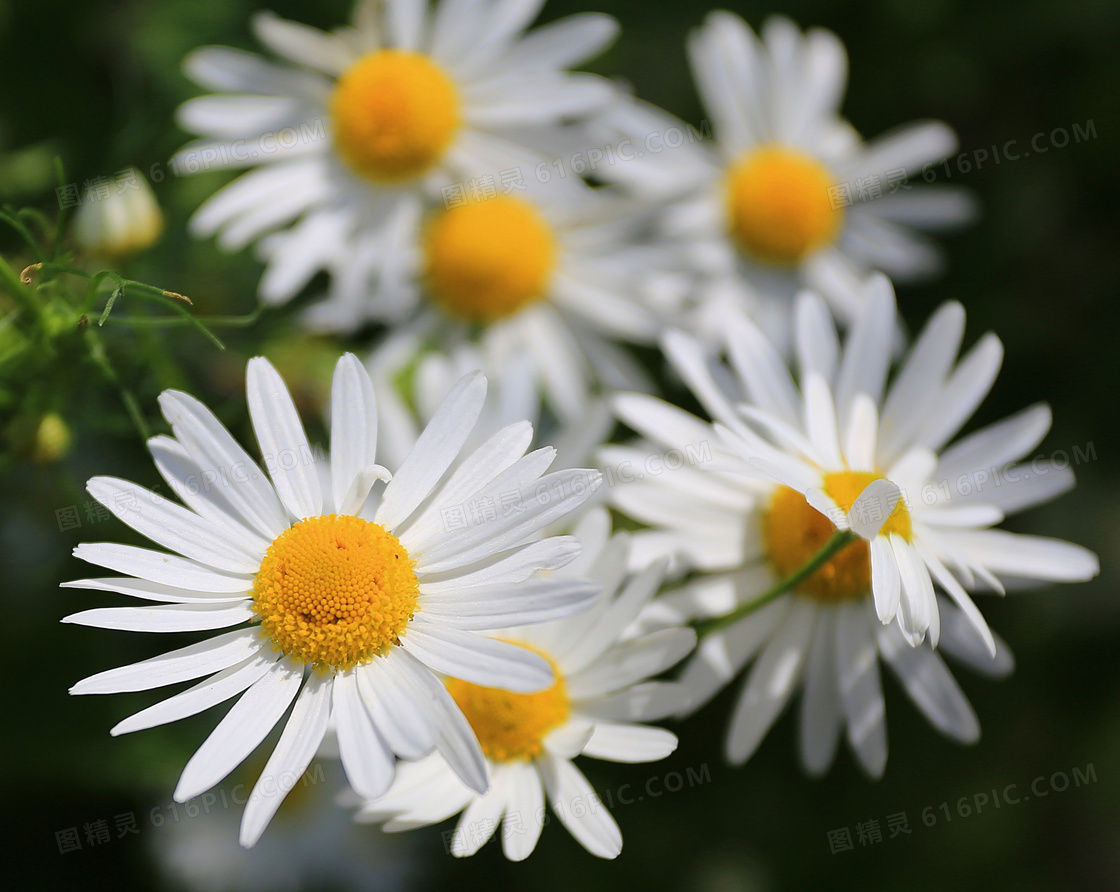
x=98 y=82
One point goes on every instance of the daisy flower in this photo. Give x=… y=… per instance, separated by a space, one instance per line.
x=347 y=600
x=595 y=708
x=353 y=131
x=788 y=463
x=786 y=194
x=550 y=276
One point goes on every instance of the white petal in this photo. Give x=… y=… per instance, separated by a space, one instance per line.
x=502 y=606
x=511 y=567
x=873 y=507
x=183 y=664
x=226 y=465
x=437 y=447
x=886 y=585
x=353 y=428
x=391 y=694
x=165 y=617
x=631 y=662
x=857 y=663
x=821 y=713
x=526 y=801
x=570 y=795
x=161 y=568
x=644 y=702
x=172 y=525
x=241 y=730
x=771 y=681
x=297 y=746
x=629 y=743
x=477 y=659
x=367 y=761
x=962 y=393
x=217 y=689
x=284 y=446
x=867 y=351
x=154 y=591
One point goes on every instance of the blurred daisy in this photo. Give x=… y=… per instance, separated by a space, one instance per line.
x=548 y=277
x=353 y=600
x=356 y=129
x=787 y=194
x=769 y=501
x=596 y=708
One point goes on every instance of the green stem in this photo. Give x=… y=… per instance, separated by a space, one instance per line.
x=840 y=540
x=101 y=359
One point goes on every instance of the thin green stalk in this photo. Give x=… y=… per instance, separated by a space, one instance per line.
x=101 y=358
x=840 y=540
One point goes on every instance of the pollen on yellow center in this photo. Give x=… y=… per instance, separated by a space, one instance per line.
x=486 y=260
x=335 y=591
x=509 y=726
x=778 y=203
x=794 y=531
x=394 y=114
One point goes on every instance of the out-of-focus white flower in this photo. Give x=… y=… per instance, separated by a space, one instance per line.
x=120 y=219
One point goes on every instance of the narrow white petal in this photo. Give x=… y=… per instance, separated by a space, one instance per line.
x=857 y=664
x=165 y=617
x=391 y=694
x=579 y=807
x=618 y=742
x=154 y=591
x=822 y=716
x=437 y=447
x=477 y=659
x=183 y=664
x=353 y=427
x=526 y=801
x=284 y=447
x=241 y=730
x=886 y=584
x=173 y=526
x=771 y=681
x=502 y=606
x=513 y=567
x=296 y=748
x=367 y=761
x=631 y=662
x=161 y=568
x=482 y=817
x=217 y=689
x=644 y=702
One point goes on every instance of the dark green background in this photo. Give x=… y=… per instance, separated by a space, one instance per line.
x=98 y=82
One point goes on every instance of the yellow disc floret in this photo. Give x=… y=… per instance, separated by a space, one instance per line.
x=794 y=531
x=394 y=114
x=485 y=261
x=779 y=208
x=511 y=727
x=334 y=591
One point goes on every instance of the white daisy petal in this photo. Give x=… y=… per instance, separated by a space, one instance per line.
x=966 y=388
x=632 y=661
x=434 y=451
x=189 y=662
x=822 y=716
x=162 y=569
x=477 y=659
x=526 y=800
x=390 y=690
x=224 y=462
x=166 y=617
x=294 y=752
x=646 y=702
x=241 y=730
x=532 y=601
x=172 y=526
x=511 y=567
x=579 y=807
x=283 y=442
x=481 y=817
x=353 y=429
x=857 y=666
x=217 y=689
x=618 y=742
x=365 y=757
x=886 y=584
x=771 y=681
x=154 y=591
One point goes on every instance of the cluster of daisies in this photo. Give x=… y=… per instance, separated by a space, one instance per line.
x=443 y=601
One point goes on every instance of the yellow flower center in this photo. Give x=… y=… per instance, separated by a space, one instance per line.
x=794 y=531
x=485 y=261
x=335 y=591
x=511 y=727
x=779 y=206
x=394 y=114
